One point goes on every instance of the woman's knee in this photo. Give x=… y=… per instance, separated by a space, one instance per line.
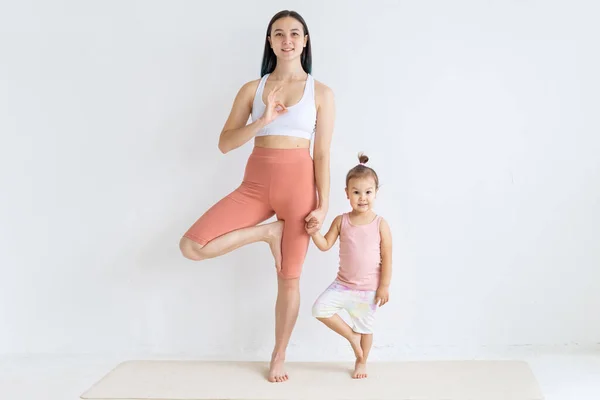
x=290 y=272
x=190 y=249
x=289 y=285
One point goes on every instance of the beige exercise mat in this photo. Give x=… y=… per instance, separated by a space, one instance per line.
x=423 y=380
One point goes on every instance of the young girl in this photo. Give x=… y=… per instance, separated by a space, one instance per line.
x=365 y=268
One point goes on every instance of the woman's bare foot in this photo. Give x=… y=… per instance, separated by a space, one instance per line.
x=355 y=343
x=360 y=370
x=274 y=239
x=276 y=371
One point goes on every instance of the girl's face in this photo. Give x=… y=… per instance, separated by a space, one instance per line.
x=287 y=38
x=362 y=193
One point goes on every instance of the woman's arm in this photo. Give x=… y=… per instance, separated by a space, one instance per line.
x=321 y=156
x=236 y=133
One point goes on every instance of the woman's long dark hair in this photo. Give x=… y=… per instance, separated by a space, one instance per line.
x=269 y=60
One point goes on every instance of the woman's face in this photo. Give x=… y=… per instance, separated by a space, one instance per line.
x=287 y=38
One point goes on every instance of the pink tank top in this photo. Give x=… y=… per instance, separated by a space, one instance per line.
x=360 y=254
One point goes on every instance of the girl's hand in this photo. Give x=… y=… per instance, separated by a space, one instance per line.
x=318 y=215
x=274 y=107
x=312 y=226
x=382 y=295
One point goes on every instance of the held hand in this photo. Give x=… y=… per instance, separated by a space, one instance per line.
x=312 y=226
x=318 y=215
x=274 y=107
x=382 y=295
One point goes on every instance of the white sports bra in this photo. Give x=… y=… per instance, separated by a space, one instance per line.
x=300 y=120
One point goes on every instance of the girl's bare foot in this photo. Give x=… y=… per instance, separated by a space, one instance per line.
x=360 y=370
x=274 y=239
x=355 y=343
x=276 y=371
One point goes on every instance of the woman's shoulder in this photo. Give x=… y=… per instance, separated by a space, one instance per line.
x=322 y=89
x=248 y=90
x=323 y=94
x=250 y=86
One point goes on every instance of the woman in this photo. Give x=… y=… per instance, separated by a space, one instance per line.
x=288 y=108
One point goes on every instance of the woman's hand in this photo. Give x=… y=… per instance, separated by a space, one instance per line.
x=312 y=226
x=274 y=107
x=315 y=218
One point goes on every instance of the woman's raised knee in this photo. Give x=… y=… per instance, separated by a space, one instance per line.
x=190 y=249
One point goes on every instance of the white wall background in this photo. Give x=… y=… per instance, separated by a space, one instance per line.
x=480 y=117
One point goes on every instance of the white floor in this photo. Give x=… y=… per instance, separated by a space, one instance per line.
x=561 y=377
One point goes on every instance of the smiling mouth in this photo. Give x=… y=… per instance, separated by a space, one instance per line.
x=287 y=50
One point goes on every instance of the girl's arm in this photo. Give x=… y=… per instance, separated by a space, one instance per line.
x=326 y=242
x=382 y=296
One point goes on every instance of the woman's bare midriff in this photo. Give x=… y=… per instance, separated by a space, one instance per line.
x=281 y=142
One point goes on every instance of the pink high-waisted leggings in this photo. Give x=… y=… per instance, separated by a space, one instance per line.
x=276 y=181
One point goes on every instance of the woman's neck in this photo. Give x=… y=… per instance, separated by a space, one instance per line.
x=288 y=71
